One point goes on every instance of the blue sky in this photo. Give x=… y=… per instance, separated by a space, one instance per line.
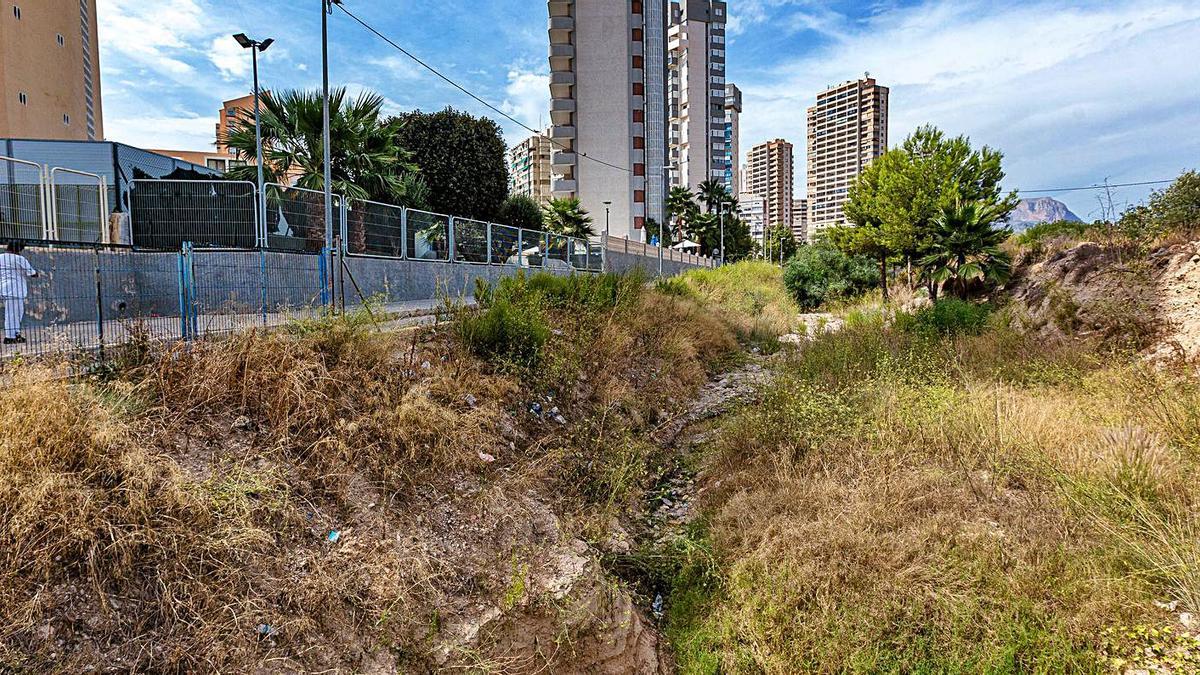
x=1073 y=93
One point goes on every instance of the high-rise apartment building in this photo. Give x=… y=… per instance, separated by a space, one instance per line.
x=699 y=133
x=529 y=168
x=733 y=146
x=847 y=128
x=800 y=220
x=50 y=70
x=607 y=108
x=769 y=169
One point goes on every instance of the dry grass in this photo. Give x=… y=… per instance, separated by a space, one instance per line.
x=988 y=503
x=178 y=518
x=750 y=296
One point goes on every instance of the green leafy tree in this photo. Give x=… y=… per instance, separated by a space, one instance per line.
x=1178 y=207
x=965 y=247
x=566 y=216
x=778 y=242
x=898 y=197
x=369 y=160
x=463 y=159
x=821 y=272
x=521 y=211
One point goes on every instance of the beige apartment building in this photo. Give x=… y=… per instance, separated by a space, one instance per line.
x=800 y=220
x=769 y=168
x=607 y=91
x=699 y=145
x=847 y=128
x=529 y=168
x=50 y=70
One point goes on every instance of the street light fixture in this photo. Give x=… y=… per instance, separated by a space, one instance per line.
x=256 y=46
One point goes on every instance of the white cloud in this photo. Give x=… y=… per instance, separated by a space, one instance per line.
x=153 y=35
x=230 y=58
x=1044 y=82
x=183 y=132
x=527 y=98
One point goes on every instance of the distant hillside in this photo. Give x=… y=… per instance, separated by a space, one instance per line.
x=1030 y=212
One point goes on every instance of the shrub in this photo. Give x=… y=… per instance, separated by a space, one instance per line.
x=950 y=316
x=818 y=274
x=1043 y=232
x=506 y=331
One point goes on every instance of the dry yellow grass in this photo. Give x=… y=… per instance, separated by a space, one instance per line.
x=908 y=505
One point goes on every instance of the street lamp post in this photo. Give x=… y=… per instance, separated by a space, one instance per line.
x=256 y=46
x=607 y=204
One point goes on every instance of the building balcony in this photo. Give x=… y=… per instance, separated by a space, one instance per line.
x=561 y=83
x=559 y=7
x=562 y=110
x=562 y=132
x=564 y=186
x=561 y=30
x=561 y=57
x=563 y=159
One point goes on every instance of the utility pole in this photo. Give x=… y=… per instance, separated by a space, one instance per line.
x=607 y=204
x=326 y=10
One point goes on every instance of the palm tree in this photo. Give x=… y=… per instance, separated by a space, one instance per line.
x=565 y=216
x=368 y=162
x=713 y=193
x=681 y=205
x=966 y=246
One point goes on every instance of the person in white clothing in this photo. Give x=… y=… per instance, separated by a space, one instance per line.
x=15 y=270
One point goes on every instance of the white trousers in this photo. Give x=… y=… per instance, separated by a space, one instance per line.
x=14 y=311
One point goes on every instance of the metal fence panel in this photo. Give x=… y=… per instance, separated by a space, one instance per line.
x=558 y=254
x=506 y=245
x=234 y=290
x=532 y=248
x=209 y=213
x=579 y=253
x=79 y=206
x=373 y=228
x=470 y=240
x=22 y=200
x=595 y=257
x=296 y=218
x=427 y=235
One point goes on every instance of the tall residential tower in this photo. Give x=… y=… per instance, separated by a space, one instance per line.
x=607 y=108
x=50 y=70
x=769 y=176
x=847 y=128
x=733 y=123
x=698 y=99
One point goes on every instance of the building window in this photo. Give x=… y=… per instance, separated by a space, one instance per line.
x=639 y=89
x=17 y=12
x=637 y=62
x=639 y=196
x=639 y=116
x=23 y=98
x=637 y=34
x=639 y=169
x=639 y=142
x=66 y=119
x=637 y=6
x=62 y=41
x=639 y=222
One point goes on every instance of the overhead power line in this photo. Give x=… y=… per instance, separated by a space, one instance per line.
x=468 y=92
x=1102 y=186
